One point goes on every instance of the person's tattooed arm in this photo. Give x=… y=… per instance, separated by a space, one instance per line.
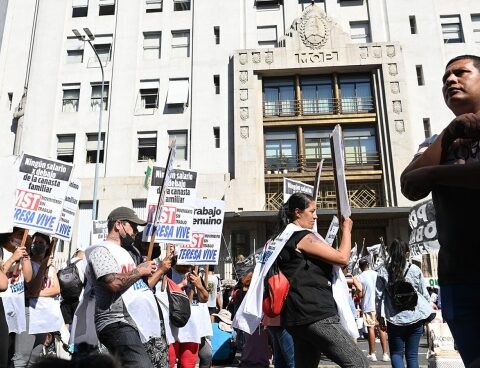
x=119 y=282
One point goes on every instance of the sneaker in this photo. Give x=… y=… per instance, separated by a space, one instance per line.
x=372 y=357
x=385 y=357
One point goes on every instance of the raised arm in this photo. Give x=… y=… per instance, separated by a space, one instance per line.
x=313 y=246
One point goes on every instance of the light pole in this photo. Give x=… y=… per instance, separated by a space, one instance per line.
x=89 y=37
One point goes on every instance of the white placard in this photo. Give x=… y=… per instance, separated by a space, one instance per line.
x=41 y=189
x=99 y=231
x=69 y=210
x=8 y=164
x=176 y=218
x=339 y=157
x=291 y=186
x=207 y=227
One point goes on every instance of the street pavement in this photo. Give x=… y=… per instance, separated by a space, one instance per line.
x=363 y=344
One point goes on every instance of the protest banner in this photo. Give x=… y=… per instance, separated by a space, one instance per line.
x=423 y=237
x=41 y=189
x=338 y=159
x=291 y=186
x=332 y=230
x=206 y=234
x=99 y=231
x=174 y=224
x=8 y=164
x=69 y=210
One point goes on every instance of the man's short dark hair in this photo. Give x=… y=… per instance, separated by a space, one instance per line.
x=475 y=59
x=363 y=264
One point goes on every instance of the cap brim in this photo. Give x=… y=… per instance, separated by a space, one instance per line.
x=137 y=221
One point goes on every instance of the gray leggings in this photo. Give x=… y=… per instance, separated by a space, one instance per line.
x=326 y=336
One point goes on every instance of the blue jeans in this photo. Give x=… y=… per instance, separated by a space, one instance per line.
x=283 y=351
x=404 y=339
x=460 y=306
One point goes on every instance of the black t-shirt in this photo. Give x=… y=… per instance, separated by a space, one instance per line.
x=310 y=298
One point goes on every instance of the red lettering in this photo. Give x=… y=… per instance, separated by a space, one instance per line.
x=27 y=200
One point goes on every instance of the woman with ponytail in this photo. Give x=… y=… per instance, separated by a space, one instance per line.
x=309 y=312
x=404 y=326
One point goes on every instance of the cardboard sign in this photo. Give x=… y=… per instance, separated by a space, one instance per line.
x=99 y=231
x=291 y=186
x=338 y=155
x=176 y=215
x=206 y=234
x=69 y=210
x=41 y=189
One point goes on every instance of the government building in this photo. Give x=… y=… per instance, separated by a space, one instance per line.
x=250 y=90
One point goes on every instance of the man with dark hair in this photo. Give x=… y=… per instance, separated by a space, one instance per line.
x=120 y=293
x=368 y=279
x=448 y=166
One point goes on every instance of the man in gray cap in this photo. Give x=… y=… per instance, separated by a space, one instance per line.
x=117 y=286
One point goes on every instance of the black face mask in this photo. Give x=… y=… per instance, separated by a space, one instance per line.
x=126 y=240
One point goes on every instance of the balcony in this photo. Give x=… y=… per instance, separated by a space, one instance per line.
x=324 y=106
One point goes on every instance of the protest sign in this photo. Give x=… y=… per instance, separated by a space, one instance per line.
x=332 y=230
x=338 y=156
x=291 y=186
x=99 y=231
x=206 y=234
x=176 y=216
x=8 y=164
x=41 y=189
x=69 y=210
x=423 y=237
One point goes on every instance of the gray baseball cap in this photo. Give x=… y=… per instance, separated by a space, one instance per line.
x=125 y=214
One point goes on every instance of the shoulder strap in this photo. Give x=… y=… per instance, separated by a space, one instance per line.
x=405 y=274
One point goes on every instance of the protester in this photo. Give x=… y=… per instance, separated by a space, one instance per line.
x=368 y=279
x=42 y=312
x=188 y=338
x=310 y=312
x=214 y=289
x=447 y=165
x=126 y=312
x=404 y=327
x=223 y=339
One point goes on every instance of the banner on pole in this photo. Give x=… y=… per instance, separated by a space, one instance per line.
x=207 y=228
x=424 y=236
x=291 y=186
x=69 y=210
x=338 y=155
x=176 y=215
x=41 y=189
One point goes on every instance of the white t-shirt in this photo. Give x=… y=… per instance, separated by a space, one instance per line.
x=213 y=287
x=368 y=279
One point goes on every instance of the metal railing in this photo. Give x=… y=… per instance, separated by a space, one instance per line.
x=300 y=163
x=343 y=105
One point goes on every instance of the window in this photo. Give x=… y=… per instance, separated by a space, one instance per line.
x=216 y=83
x=103 y=47
x=10 y=98
x=267 y=36
x=181 y=43
x=91 y=146
x=65 y=147
x=178 y=91
x=79 y=8
x=97 y=96
x=153 y=6
x=281 y=150
x=151 y=45
x=356 y=94
x=140 y=207
x=317 y=95
x=74 y=50
x=147 y=146
x=148 y=97
x=419 y=70
x=279 y=97
x=426 y=128
x=317 y=145
x=413 y=24
x=451 y=28
x=181 y=5
x=180 y=137
x=106 y=7
x=267 y=3
x=216 y=136
x=476 y=27
x=216 y=35
x=71 y=97
x=360 y=146
x=360 y=32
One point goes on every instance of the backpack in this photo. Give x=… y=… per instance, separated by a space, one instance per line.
x=403 y=294
x=275 y=292
x=178 y=304
x=70 y=283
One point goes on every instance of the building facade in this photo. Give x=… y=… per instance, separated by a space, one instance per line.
x=250 y=89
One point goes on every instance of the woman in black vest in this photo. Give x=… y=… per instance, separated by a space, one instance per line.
x=309 y=313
